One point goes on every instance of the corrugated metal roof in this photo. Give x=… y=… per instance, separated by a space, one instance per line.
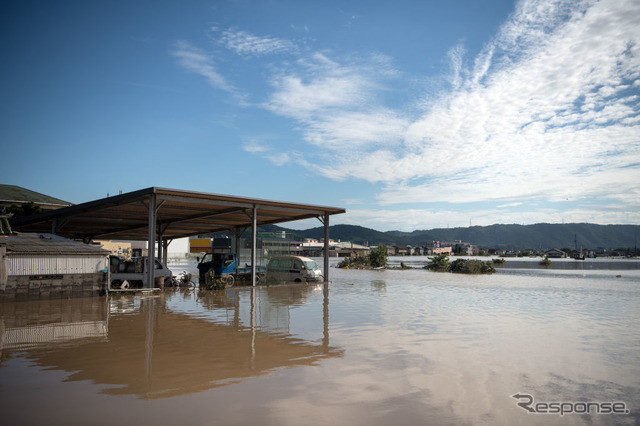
x=179 y=214
x=46 y=244
x=18 y=195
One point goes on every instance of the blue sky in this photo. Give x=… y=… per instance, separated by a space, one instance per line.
x=410 y=114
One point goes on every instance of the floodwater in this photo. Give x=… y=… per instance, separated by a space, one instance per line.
x=371 y=348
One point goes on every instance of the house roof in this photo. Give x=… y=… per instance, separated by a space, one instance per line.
x=33 y=243
x=12 y=194
x=179 y=214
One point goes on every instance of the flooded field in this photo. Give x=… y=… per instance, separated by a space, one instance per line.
x=371 y=348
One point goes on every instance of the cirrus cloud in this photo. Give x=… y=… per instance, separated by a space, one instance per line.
x=247 y=44
x=548 y=109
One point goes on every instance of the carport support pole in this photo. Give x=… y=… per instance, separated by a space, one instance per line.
x=326 y=247
x=151 y=242
x=160 y=248
x=165 y=248
x=237 y=234
x=254 y=243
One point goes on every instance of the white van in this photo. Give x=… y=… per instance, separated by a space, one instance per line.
x=133 y=272
x=293 y=269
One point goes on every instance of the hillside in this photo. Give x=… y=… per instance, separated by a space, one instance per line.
x=541 y=235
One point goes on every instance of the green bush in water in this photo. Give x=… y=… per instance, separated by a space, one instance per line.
x=465 y=266
x=439 y=263
x=377 y=258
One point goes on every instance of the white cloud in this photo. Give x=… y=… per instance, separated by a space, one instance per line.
x=254 y=146
x=353 y=129
x=549 y=110
x=197 y=61
x=456 y=56
x=247 y=44
x=279 y=159
x=320 y=89
x=351 y=201
x=259 y=147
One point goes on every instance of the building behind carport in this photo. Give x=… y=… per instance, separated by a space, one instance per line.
x=45 y=266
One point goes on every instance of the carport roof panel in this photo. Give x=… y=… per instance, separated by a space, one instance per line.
x=180 y=214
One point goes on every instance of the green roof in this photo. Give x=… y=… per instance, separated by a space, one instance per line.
x=11 y=194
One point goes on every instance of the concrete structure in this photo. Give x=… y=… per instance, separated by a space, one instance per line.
x=42 y=266
x=278 y=244
x=460 y=247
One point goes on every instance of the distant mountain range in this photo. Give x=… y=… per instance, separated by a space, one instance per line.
x=541 y=235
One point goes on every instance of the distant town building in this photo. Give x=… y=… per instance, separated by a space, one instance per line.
x=555 y=253
x=441 y=250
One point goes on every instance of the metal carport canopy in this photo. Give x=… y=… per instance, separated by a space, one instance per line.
x=177 y=214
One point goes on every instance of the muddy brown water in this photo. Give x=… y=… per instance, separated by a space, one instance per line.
x=372 y=347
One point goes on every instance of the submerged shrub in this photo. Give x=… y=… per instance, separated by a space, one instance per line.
x=358 y=262
x=439 y=263
x=465 y=266
x=377 y=258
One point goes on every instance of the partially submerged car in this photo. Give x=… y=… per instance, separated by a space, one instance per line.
x=293 y=269
x=131 y=273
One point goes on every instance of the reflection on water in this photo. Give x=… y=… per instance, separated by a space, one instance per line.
x=373 y=347
x=155 y=348
x=33 y=325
